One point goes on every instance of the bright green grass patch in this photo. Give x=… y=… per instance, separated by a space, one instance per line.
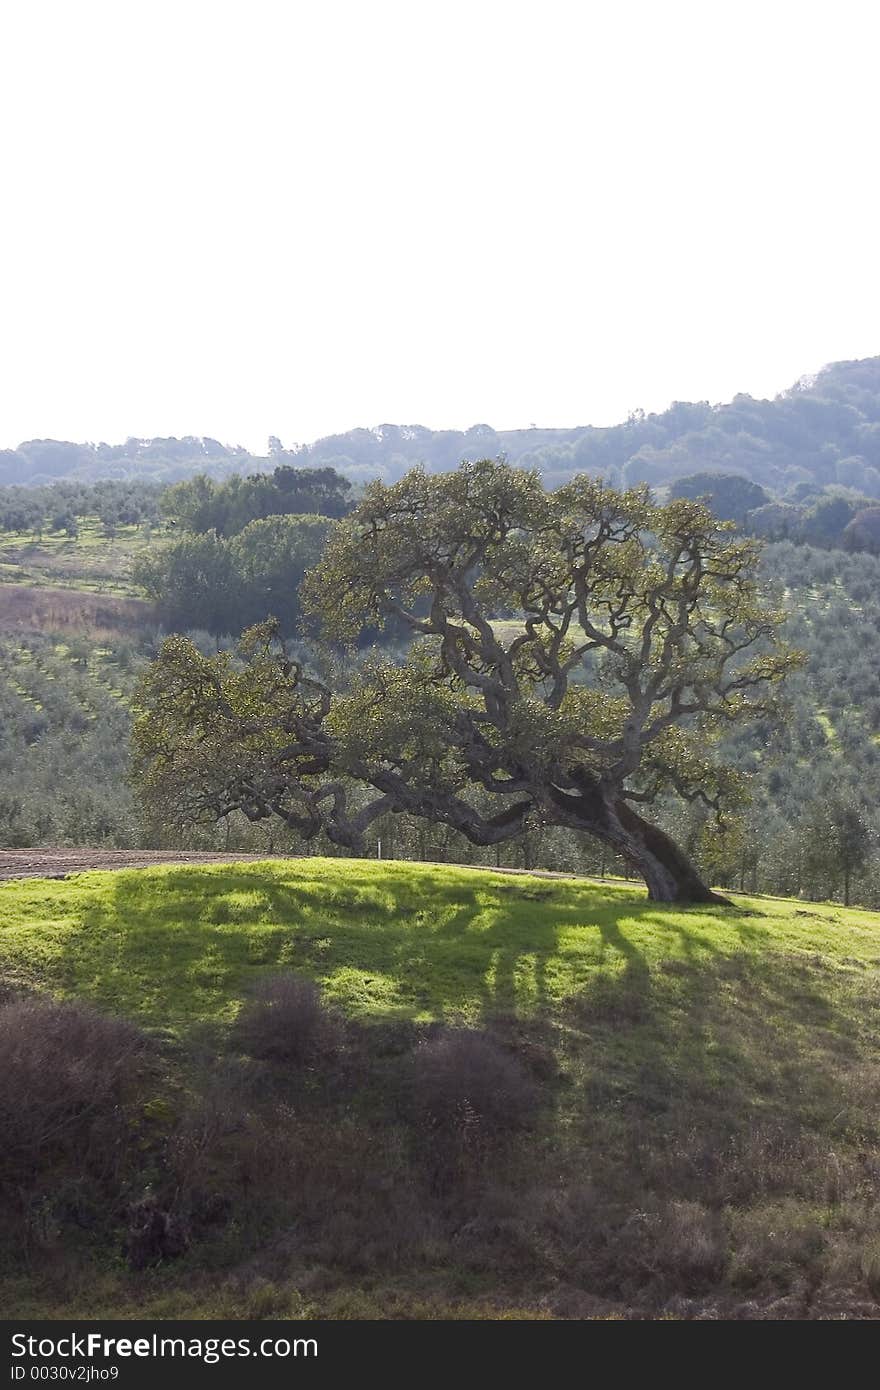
x=175 y=946
x=823 y=719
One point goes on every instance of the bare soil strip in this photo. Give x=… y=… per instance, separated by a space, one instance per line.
x=58 y=863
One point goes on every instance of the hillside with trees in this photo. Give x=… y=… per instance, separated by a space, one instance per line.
x=823 y=432
x=642 y=630
x=96 y=574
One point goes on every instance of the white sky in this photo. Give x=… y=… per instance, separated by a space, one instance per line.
x=297 y=216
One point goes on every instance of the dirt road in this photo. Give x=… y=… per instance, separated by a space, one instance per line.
x=57 y=863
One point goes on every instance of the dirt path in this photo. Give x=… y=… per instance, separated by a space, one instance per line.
x=57 y=863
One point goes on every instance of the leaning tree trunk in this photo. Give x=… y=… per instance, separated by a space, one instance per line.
x=669 y=873
x=666 y=869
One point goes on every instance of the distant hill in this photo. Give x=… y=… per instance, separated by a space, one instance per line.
x=38 y=462
x=823 y=432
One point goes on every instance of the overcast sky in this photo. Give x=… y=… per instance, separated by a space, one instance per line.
x=278 y=217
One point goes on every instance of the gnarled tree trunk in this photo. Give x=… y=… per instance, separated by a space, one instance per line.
x=666 y=869
x=668 y=872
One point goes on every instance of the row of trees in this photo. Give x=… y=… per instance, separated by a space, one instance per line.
x=200 y=504
x=61 y=506
x=64 y=734
x=42 y=461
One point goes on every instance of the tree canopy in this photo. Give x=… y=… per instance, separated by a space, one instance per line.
x=199 y=504
x=731 y=498
x=205 y=581
x=575 y=654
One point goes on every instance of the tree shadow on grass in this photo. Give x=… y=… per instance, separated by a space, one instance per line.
x=183 y=945
x=723 y=1079
x=700 y=1056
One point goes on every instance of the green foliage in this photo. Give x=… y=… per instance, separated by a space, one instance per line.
x=201 y=505
x=192 y=582
x=863 y=531
x=825 y=522
x=837 y=840
x=269 y=559
x=654 y=609
x=222 y=586
x=729 y=496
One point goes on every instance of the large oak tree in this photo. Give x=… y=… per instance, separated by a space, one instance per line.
x=574 y=655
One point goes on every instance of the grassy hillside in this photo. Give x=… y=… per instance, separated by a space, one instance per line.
x=179 y=946
x=91 y=561
x=706 y=1138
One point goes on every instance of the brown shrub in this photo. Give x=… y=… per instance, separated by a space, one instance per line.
x=776 y=1244
x=285 y=1021
x=465 y=1085
x=310 y=1182
x=690 y=1247
x=153 y=1234
x=67 y=1074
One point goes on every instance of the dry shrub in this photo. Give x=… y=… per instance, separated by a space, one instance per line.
x=285 y=1021
x=360 y=1205
x=327 y=1187
x=467 y=1088
x=775 y=1245
x=613 y=1249
x=534 y=1042
x=690 y=1248
x=67 y=1075
x=870 y=1267
x=208 y=1136
x=719 y=1163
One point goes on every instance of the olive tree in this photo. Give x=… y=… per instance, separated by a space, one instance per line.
x=574 y=655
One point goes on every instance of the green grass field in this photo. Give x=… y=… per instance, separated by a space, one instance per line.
x=710 y=1136
x=175 y=946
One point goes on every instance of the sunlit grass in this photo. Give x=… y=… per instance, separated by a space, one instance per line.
x=91 y=560
x=177 y=946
